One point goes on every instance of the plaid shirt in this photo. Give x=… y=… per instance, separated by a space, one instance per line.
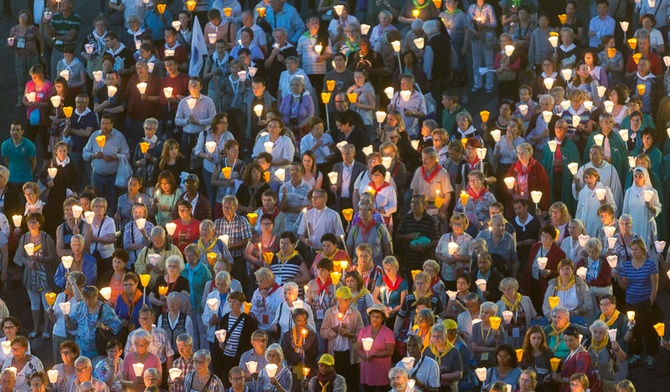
x=186 y=368
x=215 y=384
x=159 y=345
x=238 y=229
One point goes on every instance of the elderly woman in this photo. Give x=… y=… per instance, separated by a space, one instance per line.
x=485 y=338
x=390 y=289
x=11 y=327
x=172 y=280
x=605 y=354
x=521 y=307
x=571 y=246
x=501 y=242
x=300 y=346
x=506 y=368
x=458 y=263
x=536 y=353
x=104 y=235
x=129 y=380
x=24 y=363
x=201 y=378
x=266 y=298
x=474 y=202
x=71 y=295
x=282 y=149
x=174 y=321
x=33 y=204
x=642 y=200
x=110 y=369
x=297 y=108
x=209 y=247
x=572 y=291
x=39 y=267
x=535 y=279
x=70 y=227
x=134 y=237
x=598 y=270
x=554 y=332
x=283 y=319
x=591 y=197
x=159 y=245
x=376 y=362
x=577 y=361
x=81 y=261
x=504 y=150
x=212 y=314
x=282 y=380
x=639 y=277
x=409 y=308
x=447 y=357
x=529 y=175
x=90 y=315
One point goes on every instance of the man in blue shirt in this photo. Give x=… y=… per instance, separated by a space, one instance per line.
x=281 y=14
x=600 y=25
x=18 y=154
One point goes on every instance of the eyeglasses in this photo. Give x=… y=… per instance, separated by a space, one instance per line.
x=80 y=370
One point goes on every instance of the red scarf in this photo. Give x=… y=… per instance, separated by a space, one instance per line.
x=476 y=196
x=473 y=165
x=518 y=167
x=432 y=176
x=323 y=287
x=274 y=213
x=377 y=190
x=366 y=228
x=433 y=283
x=274 y=288
x=392 y=286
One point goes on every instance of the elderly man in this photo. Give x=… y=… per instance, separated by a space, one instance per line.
x=185 y=362
x=293 y=195
x=347 y=172
x=237 y=380
x=433 y=181
x=160 y=246
x=83 y=262
x=174 y=322
x=281 y=14
x=194 y=114
x=326 y=372
x=614 y=147
x=238 y=230
x=398 y=376
x=7 y=380
x=266 y=298
x=318 y=221
x=105 y=160
x=609 y=175
x=424 y=369
x=159 y=343
x=418 y=232
x=83 y=373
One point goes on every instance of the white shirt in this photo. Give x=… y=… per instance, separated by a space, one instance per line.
x=320 y=222
x=346 y=179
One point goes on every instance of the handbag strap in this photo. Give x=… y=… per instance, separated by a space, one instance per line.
x=99 y=230
x=232 y=329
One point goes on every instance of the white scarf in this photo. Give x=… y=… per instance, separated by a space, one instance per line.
x=37 y=207
x=62 y=163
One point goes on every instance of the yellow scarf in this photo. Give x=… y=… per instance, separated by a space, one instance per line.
x=439 y=355
x=512 y=307
x=556 y=332
x=598 y=347
x=559 y=283
x=206 y=248
x=324 y=387
x=361 y=293
x=612 y=320
x=289 y=257
x=428 y=295
x=297 y=340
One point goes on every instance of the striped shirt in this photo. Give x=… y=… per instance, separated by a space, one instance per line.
x=288 y=270
x=234 y=335
x=639 y=287
x=63 y=25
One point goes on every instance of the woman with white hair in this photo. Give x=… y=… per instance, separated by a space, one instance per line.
x=521 y=307
x=607 y=357
x=641 y=200
x=282 y=380
x=570 y=245
x=212 y=314
x=172 y=281
x=485 y=337
x=202 y=379
x=283 y=321
x=129 y=380
x=598 y=270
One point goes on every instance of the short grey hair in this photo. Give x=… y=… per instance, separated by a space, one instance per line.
x=204 y=353
x=79 y=238
x=175 y=258
x=277 y=348
x=83 y=361
x=158 y=231
x=598 y=325
x=291 y=286
x=223 y=275
x=524 y=147
x=627 y=217
x=185 y=338
x=509 y=282
x=488 y=306
x=559 y=309
x=398 y=371
x=594 y=243
x=4 y=172
x=206 y=224
x=140 y=334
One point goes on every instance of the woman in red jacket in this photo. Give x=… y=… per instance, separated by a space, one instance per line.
x=529 y=175
x=536 y=275
x=598 y=269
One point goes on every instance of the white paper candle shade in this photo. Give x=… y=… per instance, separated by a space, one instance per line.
x=177 y=25
x=405 y=95
x=553 y=40
x=582 y=240
x=600 y=193
x=648 y=194
x=481 y=373
x=410 y=385
x=601 y=91
x=367 y=343
x=65 y=74
x=631 y=162
x=611 y=241
x=542 y=262
x=408 y=362
x=612 y=334
x=565 y=104
x=64 y=307
x=174 y=373
x=475 y=321
x=495 y=134
x=609 y=105
x=419 y=43
x=389 y=92
x=613 y=260
x=55 y=100
x=138 y=43
x=609 y=231
x=630 y=314
x=31 y=96
x=547 y=115
x=190 y=102
x=452 y=294
x=271 y=370
x=368 y=150
x=142 y=87
x=481 y=153
x=415 y=144
x=536 y=196
x=509 y=50
x=598 y=139
x=365 y=28
x=576 y=120
x=280 y=174
x=153 y=259
x=333 y=177
x=624 y=26
x=252 y=71
x=53 y=375
x=212 y=38
x=89 y=48
x=396 y=46
x=659 y=246
x=30 y=249
x=338 y=9
x=221 y=335
x=298 y=304
x=588 y=105
x=523 y=109
x=210 y=146
x=581 y=272
x=106 y=293
x=548 y=83
x=341 y=144
x=138 y=368
x=508 y=387
x=507 y=316
x=552 y=144
x=381 y=116
x=573 y=167
x=170 y=227
x=386 y=161
x=168 y=92
x=258 y=110
x=243 y=75
x=624 y=134
x=452 y=248
x=224 y=238
x=252 y=366
x=169 y=52
x=6 y=347
x=111 y=91
x=318 y=48
x=150 y=67
x=481 y=283
x=67 y=261
x=566 y=73
x=141 y=223
x=213 y=304
x=509 y=182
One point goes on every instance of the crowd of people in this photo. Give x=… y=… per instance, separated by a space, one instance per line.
x=289 y=196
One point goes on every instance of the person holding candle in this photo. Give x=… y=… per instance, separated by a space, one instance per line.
x=160 y=246
x=549 y=70
x=81 y=261
x=486 y=335
x=266 y=298
x=591 y=197
x=225 y=174
x=390 y=290
x=172 y=280
x=25 y=39
x=24 y=364
x=642 y=200
x=482 y=24
x=571 y=245
x=239 y=326
x=474 y=202
x=283 y=320
x=129 y=302
x=259 y=341
x=265 y=240
x=39 y=269
x=159 y=343
x=172 y=161
x=529 y=176
x=557 y=164
x=89 y=315
x=366 y=267
x=70 y=227
x=216 y=137
x=134 y=237
x=68 y=352
x=282 y=380
x=131 y=380
x=609 y=360
x=521 y=307
x=147 y=153
x=573 y=292
x=374 y=346
x=535 y=279
x=250 y=191
x=72 y=296
x=301 y=347
x=109 y=370
x=288 y=264
x=65 y=176
x=501 y=244
x=639 y=277
x=651 y=149
x=577 y=361
x=615 y=149
x=409 y=310
x=83 y=376
x=11 y=328
x=506 y=368
x=211 y=248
